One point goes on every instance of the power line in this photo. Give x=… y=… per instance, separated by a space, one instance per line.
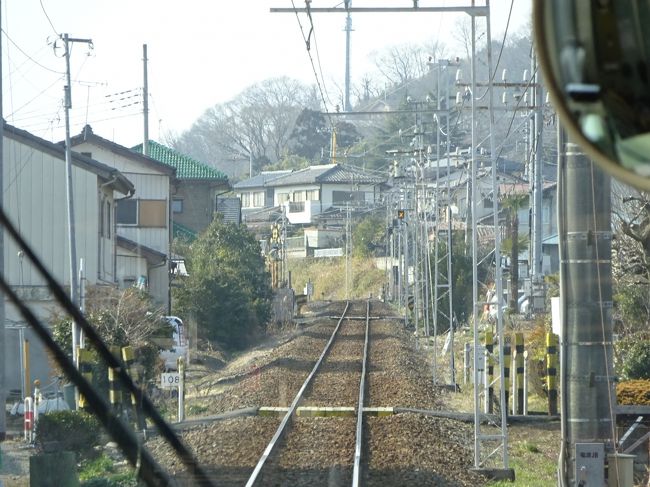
x=503 y=43
x=28 y=56
x=48 y=18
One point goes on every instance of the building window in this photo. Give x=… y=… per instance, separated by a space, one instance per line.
x=143 y=213
x=245 y=200
x=258 y=199
x=177 y=205
x=339 y=197
x=152 y=213
x=126 y=212
x=283 y=197
x=312 y=195
x=298 y=196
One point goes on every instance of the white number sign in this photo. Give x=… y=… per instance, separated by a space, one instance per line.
x=170 y=379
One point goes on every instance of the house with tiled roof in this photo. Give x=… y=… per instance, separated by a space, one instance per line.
x=195 y=191
x=306 y=193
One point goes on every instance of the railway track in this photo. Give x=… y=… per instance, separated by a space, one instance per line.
x=313 y=423
x=324 y=441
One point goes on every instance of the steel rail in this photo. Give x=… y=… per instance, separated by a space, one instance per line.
x=356 y=472
x=270 y=448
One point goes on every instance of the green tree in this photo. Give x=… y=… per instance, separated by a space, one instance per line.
x=310 y=135
x=461 y=279
x=368 y=236
x=228 y=289
x=512 y=203
x=636 y=364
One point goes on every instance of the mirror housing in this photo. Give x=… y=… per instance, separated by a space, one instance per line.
x=595 y=60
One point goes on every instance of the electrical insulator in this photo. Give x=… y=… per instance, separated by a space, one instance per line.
x=459 y=98
x=504 y=75
x=504 y=99
x=459 y=76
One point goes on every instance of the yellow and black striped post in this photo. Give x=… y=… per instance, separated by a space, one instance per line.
x=85 y=358
x=507 y=360
x=489 y=348
x=114 y=390
x=128 y=356
x=552 y=341
x=519 y=378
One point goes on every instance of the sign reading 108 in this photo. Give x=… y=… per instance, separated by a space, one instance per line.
x=170 y=379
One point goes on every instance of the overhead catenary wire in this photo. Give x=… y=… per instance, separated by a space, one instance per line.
x=307 y=40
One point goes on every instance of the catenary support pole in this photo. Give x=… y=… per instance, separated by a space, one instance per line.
x=586 y=285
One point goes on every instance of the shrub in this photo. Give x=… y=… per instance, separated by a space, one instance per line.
x=636 y=364
x=73 y=431
x=633 y=392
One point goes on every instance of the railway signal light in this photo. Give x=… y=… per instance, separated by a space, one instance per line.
x=401 y=214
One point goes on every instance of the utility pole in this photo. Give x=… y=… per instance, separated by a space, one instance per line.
x=537 y=282
x=3 y=345
x=145 y=102
x=72 y=247
x=588 y=400
x=348 y=30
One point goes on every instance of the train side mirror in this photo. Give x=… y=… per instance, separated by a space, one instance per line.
x=595 y=58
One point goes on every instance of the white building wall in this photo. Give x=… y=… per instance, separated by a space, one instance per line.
x=35 y=197
x=36 y=200
x=150 y=183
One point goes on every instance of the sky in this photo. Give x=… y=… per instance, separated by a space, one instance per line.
x=200 y=53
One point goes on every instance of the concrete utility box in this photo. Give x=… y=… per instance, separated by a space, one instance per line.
x=590 y=464
x=620 y=470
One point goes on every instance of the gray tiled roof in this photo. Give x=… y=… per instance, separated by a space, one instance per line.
x=260 y=180
x=328 y=173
